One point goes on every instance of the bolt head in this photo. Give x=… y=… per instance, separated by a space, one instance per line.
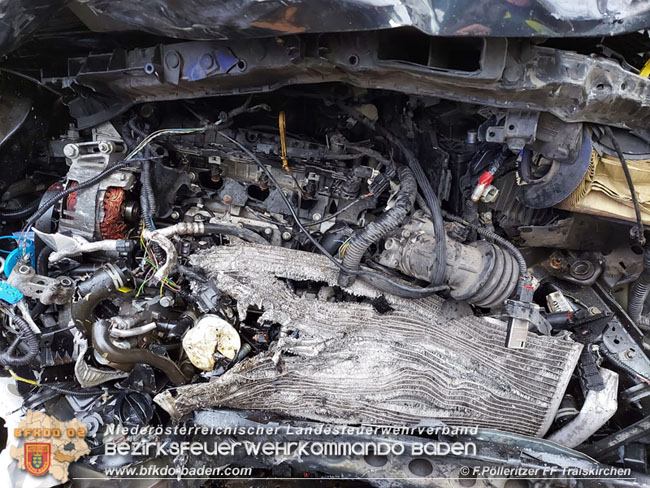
x=316 y=216
x=71 y=151
x=390 y=244
x=65 y=281
x=106 y=147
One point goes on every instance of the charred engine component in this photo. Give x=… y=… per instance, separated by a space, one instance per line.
x=98 y=211
x=42 y=288
x=386 y=223
x=480 y=273
x=341 y=255
x=583 y=269
x=419 y=356
x=318 y=176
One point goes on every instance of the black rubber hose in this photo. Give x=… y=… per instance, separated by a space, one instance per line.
x=42 y=261
x=129 y=357
x=640 y=289
x=245 y=234
x=430 y=196
x=27 y=337
x=21 y=213
x=363 y=238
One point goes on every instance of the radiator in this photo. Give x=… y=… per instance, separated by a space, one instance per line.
x=344 y=362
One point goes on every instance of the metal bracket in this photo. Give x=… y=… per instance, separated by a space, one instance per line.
x=518 y=130
x=47 y=290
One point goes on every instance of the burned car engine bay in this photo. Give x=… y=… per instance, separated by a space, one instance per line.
x=374 y=227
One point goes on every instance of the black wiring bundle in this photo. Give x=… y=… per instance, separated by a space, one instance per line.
x=433 y=203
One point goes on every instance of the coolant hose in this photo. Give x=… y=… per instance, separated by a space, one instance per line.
x=640 y=289
x=105 y=347
x=28 y=337
x=363 y=238
x=42 y=261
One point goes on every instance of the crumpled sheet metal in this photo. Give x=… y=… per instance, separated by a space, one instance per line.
x=346 y=363
x=207 y=19
x=228 y=19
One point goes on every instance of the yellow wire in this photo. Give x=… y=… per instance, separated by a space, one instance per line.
x=344 y=247
x=141 y=237
x=24 y=380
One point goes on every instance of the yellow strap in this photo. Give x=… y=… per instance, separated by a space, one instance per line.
x=645 y=71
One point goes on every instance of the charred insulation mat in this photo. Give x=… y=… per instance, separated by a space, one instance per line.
x=344 y=362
